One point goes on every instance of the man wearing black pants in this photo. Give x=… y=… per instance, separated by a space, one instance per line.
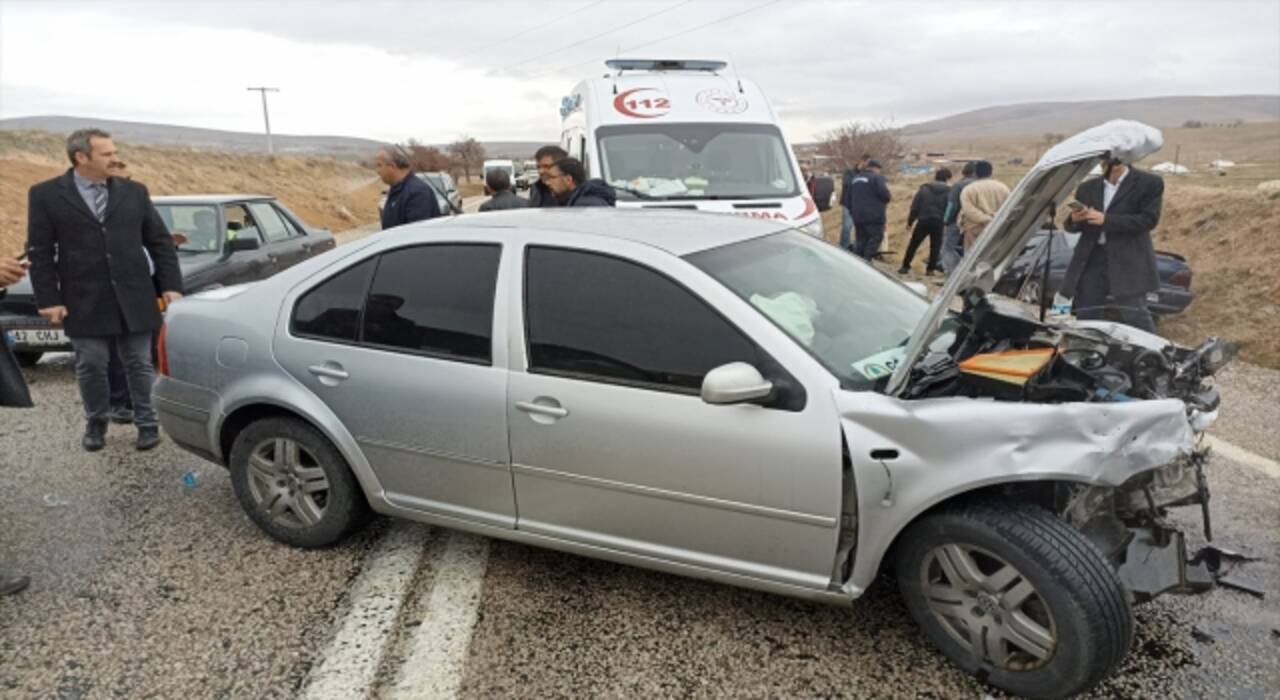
x=1113 y=266
x=927 y=210
x=869 y=198
x=86 y=235
x=10 y=272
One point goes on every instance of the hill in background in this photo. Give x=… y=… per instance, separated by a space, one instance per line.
x=344 y=147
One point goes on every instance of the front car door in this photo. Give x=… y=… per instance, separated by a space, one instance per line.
x=613 y=447
x=401 y=348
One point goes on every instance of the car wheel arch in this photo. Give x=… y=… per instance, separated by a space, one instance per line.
x=1036 y=491
x=238 y=417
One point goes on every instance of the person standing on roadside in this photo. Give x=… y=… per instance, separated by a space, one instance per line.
x=952 y=239
x=409 y=199
x=86 y=237
x=846 y=203
x=117 y=379
x=927 y=210
x=570 y=185
x=1113 y=266
x=497 y=184
x=540 y=194
x=869 y=200
x=11 y=271
x=979 y=202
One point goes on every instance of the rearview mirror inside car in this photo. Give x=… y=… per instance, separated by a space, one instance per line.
x=240 y=244
x=736 y=382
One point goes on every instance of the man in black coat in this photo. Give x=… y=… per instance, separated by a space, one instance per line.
x=927 y=211
x=569 y=183
x=868 y=199
x=409 y=199
x=540 y=194
x=10 y=272
x=89 y=237
x=1114 y=263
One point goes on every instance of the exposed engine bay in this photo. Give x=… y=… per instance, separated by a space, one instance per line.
x=1001 y=355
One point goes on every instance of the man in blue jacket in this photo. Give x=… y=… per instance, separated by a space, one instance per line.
x=867 y=199
x=409 y=199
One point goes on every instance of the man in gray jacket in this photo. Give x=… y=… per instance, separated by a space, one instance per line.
x=497 y=184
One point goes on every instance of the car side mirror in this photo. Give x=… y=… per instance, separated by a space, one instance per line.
x=736 y=382
x=236 y=245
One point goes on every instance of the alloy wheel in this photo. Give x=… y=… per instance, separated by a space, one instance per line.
x=989 y=607
x=287 y=482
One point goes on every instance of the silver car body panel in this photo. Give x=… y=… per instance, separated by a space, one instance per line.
x=1049 y=182
x=954 y=445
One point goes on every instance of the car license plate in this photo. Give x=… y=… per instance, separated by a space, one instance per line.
x=1153 y=296
x=38 y=337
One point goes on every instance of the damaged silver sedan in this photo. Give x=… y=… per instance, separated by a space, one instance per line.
x=726 y=399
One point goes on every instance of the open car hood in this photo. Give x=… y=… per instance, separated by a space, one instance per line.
x=1038 y=194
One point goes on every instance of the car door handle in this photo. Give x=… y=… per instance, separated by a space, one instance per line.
x=272 y=257
x=542 y=409
x=328 y=371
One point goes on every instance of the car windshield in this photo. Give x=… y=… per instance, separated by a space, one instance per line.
x=855 y=320
x=697 y=161
x=194 y=226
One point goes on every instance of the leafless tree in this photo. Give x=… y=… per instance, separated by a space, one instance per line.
x=426 y=158
x=847 y=145
x=467 y=154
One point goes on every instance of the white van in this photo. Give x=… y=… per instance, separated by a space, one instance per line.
x=686 y=134
x=507 y=165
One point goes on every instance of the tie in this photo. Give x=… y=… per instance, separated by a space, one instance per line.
x=99 y=199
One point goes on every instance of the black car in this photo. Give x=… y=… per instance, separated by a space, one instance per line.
x=1022 y=278
x=221 y=240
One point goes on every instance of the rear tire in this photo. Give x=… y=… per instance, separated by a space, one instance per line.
x=28 y=358
x=1016 y=596
x=295 y=485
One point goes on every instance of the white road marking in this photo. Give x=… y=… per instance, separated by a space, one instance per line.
x=1249 y=459
x=434 y=666
x=348 y=667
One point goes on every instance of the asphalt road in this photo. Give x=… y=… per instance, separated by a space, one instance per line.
x=145 y=586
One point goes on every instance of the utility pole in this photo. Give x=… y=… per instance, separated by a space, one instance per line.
x=265 y=118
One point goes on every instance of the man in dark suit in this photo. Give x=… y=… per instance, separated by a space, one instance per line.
x=1114 y=263
x=409 y=199
x=11 y=271
x=89 y=236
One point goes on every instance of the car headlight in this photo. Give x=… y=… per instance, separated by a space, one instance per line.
x=813 y=228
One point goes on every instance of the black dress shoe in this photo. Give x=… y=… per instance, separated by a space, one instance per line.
x=12 y=584
x=148 y=437
x=122 y=415
x=95 y=436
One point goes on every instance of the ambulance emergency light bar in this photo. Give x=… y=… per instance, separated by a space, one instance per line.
x=621 y=64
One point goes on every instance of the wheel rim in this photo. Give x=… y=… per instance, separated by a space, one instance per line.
x=288 y=483
x=989 y=607
x=1031 y=292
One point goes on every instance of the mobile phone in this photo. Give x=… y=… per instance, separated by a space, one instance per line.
x=1073 y=205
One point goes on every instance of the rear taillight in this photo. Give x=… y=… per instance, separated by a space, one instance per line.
x=162 y=352
x=1181 y=278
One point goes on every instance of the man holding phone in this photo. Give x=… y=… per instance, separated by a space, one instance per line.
x=1114 y=263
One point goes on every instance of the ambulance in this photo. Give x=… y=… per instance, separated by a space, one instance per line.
x=686 y=134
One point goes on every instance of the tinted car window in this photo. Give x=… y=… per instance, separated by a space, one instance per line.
x=601 y=317
x=434 y=299
x=269 y=221
x=331 y=310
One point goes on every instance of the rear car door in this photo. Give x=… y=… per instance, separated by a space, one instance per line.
x=281 y=240
x=400 y=347
x=246 y=265
x=613 y=447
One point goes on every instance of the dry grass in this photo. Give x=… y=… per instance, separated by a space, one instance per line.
x=323 y=191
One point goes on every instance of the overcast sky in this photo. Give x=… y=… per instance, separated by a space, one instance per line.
x=435 y=70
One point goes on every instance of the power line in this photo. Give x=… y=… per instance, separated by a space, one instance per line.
x=561 y=18
x=604 y=33
x=690 y=30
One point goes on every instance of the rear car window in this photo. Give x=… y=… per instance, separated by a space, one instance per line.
x=331 y=310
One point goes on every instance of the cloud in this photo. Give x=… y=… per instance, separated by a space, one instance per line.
x=436 y=70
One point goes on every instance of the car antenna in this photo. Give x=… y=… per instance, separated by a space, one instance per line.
x=733 y=64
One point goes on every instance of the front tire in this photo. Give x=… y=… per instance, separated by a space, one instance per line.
x=1015 y=596
x=28 y=358
x=295 y=485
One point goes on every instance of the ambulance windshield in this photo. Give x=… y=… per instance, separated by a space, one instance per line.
x=696 y=161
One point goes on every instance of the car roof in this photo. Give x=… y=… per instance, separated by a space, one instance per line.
x=677 y=232
x=208 y=198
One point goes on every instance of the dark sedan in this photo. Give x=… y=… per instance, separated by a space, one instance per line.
x=221 y=240
x=1022 y=278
